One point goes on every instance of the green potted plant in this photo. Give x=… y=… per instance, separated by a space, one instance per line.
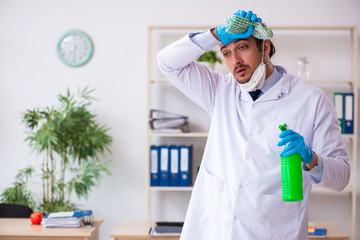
x=209 y=59
x=71 y=143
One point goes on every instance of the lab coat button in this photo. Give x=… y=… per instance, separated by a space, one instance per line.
x=235 y=217
x=240 y=186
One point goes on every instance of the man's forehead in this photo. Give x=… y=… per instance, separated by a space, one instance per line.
x=222 y=46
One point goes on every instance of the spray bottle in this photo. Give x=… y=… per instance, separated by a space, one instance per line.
x=291 y=176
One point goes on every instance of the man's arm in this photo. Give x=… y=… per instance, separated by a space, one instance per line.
x=178 y=64
x=213 y=32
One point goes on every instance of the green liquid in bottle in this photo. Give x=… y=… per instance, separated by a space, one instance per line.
x=291 y=176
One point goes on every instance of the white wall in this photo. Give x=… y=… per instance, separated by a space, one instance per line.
x=31 y=75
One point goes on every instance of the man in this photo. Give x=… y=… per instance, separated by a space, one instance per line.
x=237 y=193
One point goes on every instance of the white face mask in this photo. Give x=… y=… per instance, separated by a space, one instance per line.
x=257 y=79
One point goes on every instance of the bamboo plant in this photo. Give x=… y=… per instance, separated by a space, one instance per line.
x=70 y=142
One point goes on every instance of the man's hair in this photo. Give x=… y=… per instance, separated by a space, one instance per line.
x=259 y=45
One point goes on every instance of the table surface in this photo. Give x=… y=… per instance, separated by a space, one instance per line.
x=136 y=230
x=140 y=230
x=333 y=231
x=23 y=227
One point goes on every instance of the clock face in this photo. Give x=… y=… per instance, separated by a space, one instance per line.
x=75 y=48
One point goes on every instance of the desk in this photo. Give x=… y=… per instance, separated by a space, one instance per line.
x=22 y=229
x=136 y=231
x=140 y=231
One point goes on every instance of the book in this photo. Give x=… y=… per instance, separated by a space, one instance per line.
x=69 y=219
x=166 y=229
x=164 y=166
x=320 y=232
x=154 y=166
x=348 y=113
x=344 y=105
x=180 y=224
x=174 y=165
x=185 y=165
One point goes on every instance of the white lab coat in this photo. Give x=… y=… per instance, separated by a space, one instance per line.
x=237 y=193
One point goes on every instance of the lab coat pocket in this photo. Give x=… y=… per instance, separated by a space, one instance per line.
x=203 y=217
x=208 y=195
x=278 y=219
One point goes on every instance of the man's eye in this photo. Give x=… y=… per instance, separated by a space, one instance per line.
x=226 y=54
x=242 y=47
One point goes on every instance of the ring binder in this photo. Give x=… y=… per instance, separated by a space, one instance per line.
x=166 y=121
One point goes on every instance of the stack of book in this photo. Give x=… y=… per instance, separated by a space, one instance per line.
x=71 y=219
x=313 y=231
x=163 y=121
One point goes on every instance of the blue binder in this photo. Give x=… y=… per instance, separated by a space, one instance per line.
x=348 y=113
x=154 y=166
x=164 y=166
x=185 y=165
x=174 y=165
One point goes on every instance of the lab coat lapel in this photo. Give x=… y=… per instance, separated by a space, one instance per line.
x=277 y=91
x=243 y=95
x=274 y=93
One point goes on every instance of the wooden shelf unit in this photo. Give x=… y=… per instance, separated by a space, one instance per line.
x=352 y=82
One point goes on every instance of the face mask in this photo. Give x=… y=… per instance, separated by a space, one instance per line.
x=257 y=79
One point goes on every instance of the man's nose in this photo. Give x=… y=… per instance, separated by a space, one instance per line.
x=236 y=59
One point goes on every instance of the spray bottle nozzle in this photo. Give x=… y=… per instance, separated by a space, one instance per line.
x=283 y=127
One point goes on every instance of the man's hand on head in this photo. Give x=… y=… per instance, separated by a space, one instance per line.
x=226 y=38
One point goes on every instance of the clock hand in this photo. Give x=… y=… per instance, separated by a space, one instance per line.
x=73 y=52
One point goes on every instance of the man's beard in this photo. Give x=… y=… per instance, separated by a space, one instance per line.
x=237 y=69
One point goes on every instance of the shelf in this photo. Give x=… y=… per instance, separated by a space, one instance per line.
x=329 y=81
x=273 y=27
x=315 y=189
x=322 y=190
x=315 y=81
x=316 y=28
x=190 y=134
x=172 y=189
x=350 y=136
x=159 y=80
x=176 y=28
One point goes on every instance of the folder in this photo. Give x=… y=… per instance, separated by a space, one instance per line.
x=174 y=165
x=348 y=113
x=339 y=107
x=185 y=165
x=167 y=122
x=154 y=166
x=164 y=121
x=164 y=166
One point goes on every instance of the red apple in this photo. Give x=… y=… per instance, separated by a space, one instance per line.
x=36 y=218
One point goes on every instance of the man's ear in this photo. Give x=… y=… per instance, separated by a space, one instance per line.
x=267 y=48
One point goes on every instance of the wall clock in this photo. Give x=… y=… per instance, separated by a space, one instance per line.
x=75 y=48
